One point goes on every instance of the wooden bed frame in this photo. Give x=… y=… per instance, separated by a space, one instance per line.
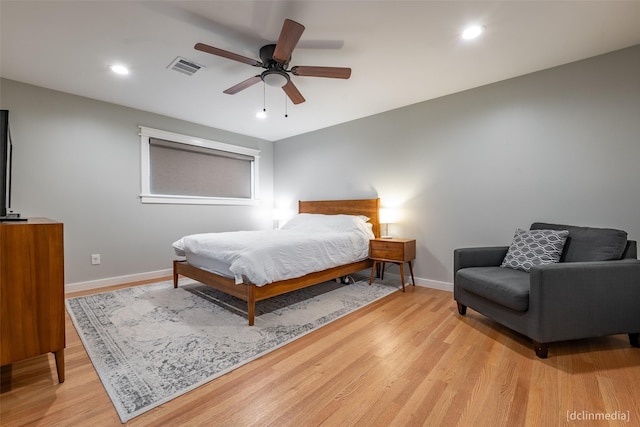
x=251 y=293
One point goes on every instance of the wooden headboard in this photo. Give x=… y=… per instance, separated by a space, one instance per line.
x=366 y=207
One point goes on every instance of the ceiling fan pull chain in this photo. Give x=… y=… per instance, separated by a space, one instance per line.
x=285 y=106
x=263 y=114
x=264 y=97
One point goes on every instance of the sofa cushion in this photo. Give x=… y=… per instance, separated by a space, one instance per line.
x=534 y=247
x=588 y=243
x=504 y=286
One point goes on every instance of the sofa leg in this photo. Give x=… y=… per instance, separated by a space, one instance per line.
x=542 y=349
x=462 y=310
x=634 y=339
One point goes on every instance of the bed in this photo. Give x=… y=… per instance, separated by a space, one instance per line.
x=251 y=293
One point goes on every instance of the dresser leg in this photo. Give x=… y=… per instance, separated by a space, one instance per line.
x=59 y=355
x=5 y=377
x=402 y=274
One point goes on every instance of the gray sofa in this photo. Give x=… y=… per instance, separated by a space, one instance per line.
x=594 y=289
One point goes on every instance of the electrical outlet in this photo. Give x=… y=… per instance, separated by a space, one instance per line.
x=95 y=259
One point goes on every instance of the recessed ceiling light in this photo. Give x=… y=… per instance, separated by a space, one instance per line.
x=119 y=69
x=472 y=32
x=261 y=114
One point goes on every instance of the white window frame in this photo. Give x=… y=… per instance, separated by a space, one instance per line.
x=145 y=168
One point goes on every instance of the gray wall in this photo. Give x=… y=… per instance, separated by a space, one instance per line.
x=77 y=160
x=561 y=145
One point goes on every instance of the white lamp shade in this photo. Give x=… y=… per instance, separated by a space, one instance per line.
x=388 y=216
x=280 y=214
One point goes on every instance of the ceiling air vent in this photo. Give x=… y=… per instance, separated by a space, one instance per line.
x=184 y=66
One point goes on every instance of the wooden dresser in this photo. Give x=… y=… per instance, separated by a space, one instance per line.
x=32 y=291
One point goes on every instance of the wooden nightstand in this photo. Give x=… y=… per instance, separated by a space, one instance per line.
x=397 y=251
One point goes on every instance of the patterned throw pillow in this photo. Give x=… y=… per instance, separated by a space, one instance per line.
x=534 y=247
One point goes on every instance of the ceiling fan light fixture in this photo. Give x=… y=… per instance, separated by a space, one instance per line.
x=275 y=78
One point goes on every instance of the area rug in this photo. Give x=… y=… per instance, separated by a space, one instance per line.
x=150 y=344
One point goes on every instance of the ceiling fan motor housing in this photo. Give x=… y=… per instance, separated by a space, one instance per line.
x=276 y=74
x=266 y=56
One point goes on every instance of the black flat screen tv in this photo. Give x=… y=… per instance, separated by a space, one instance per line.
x=5 y=162
x=6 y=153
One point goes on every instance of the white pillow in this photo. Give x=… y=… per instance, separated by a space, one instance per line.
x=321 y=222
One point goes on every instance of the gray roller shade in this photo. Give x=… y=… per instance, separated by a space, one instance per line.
x=187 y=170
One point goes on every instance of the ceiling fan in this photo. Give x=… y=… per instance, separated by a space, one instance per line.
x=275 y=59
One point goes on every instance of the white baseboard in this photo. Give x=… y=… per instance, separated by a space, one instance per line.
x=427 y=283
x=112 y=281
x=435 y=284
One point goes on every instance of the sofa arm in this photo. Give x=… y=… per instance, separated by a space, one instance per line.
x=585 y=299
x=490 y=256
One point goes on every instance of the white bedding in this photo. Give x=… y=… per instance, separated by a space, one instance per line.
x=306 y=244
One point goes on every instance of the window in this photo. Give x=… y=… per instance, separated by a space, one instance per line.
x=182 y=169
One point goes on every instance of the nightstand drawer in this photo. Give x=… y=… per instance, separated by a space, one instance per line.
x=399 y=250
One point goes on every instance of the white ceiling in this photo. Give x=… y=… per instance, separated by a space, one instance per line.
x=401 y=52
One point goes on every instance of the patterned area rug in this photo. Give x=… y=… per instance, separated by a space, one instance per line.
x=150 y=344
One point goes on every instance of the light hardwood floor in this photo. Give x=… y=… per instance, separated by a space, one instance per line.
x=406 y=360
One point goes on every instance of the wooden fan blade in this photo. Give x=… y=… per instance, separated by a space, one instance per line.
x=226 y=54
x=293 y=93
x=289 y=36
x=332 y=72
x=243 y=85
